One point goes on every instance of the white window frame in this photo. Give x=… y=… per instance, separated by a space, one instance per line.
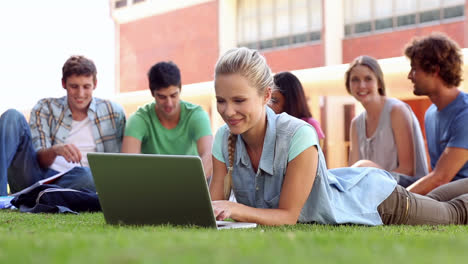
x=278 y=40
x=350 y=24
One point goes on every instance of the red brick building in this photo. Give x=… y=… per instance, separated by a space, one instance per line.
x=310 y=37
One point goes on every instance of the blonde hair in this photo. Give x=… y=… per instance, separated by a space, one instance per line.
x=228 y=178
x=249 y=63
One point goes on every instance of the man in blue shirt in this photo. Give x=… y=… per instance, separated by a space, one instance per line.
x=436 y=72
x=60 y=133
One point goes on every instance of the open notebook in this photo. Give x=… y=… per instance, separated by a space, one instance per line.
x=141 y=189
x=48 y=180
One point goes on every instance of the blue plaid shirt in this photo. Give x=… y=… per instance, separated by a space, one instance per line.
x=51 y=119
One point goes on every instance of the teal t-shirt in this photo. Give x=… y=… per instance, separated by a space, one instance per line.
x=305 y=137
x=145 y=126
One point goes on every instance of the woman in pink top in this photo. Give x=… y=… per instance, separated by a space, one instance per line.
x=288 y=96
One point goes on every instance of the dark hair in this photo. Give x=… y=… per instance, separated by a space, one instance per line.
x=370 y=63
x=437 y=52
x=291 y=88
x=78 y=65
x=162 y=75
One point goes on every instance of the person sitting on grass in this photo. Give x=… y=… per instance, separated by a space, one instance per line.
x=169 y=125
x=277 y=171
x=60 y=133
x=387 y=134
x=288 y=96
x=436 y=72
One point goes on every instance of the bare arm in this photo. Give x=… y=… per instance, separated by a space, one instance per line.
x=403 y=133
x=297 y=185
x=47 y=156
x=204 y=145
x=354 y=144
x=448 y=165
x=217 y=181
x=131 y=145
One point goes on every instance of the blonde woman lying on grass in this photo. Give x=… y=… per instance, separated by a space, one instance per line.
x=277 y=170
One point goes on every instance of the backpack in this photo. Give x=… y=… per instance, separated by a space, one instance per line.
x=49 y=198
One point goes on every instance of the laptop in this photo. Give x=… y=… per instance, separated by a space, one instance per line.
x=142 y=189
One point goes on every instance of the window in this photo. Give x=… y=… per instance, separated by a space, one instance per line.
x=368 y=16
x=264 y=24
x=123 y=3
x=120 y=3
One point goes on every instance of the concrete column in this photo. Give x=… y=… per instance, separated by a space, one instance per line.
x=337 y=152
x=227 y=25
x=333 y=21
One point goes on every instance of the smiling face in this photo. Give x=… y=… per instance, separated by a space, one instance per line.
x=79 y=92
x=167 y=102
x=239 y=104
x=363 y=84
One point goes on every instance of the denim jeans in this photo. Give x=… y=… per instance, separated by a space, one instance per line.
x=447 y=204
x=77 y=178
x=18 y=159
x=404 y=180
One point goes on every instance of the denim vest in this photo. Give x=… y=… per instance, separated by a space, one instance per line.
x=261 y=189
x=345 y=195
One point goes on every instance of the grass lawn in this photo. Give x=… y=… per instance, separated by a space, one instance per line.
x=85 y=238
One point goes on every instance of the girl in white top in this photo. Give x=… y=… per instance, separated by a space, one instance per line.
x=387 y=134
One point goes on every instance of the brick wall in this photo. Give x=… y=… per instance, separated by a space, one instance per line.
x=295 y=58
x=188 y=37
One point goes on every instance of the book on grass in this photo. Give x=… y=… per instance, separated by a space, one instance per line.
x=48 y=180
